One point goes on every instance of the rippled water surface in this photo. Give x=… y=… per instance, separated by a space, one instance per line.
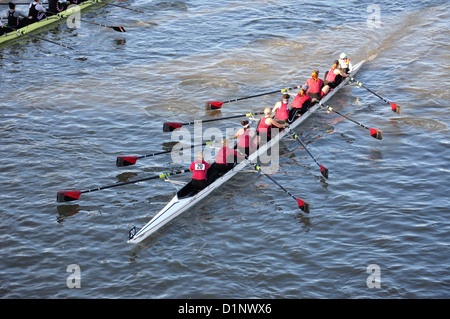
x=66 y=115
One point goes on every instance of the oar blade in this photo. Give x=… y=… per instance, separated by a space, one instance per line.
x=304 y=206
x=378 y=134
x=126 y=160
x=67 y=196
x=119 y=29
x=213 y=105
x=396 y=108
x=324 y=171
x=171 y=126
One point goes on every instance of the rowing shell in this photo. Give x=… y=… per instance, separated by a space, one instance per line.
x=179 y=205
x=47 y=21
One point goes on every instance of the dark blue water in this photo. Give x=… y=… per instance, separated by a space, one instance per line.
x=66 y=115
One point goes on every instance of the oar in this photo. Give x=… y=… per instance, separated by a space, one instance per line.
x=304 y=206
x=395 y=107
x=214 y=105
x=41 y=38
x=131 y=160
x=22 y=3
x=116 y=5
x=67 y=196
x=115 y=28
x=170 y=126
x=378 y=134
x=323 y=169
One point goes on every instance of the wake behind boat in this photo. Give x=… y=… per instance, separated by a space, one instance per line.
x=184 y=199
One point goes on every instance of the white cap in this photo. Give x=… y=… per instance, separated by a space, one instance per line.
x=343 y=56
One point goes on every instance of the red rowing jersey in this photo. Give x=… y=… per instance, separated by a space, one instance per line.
x=263 y=128
x=199 y=169
x=244 y=139
x=331 y=76
x=226 y=155
x=300 y=100
x=314 y=86
x=282 y=112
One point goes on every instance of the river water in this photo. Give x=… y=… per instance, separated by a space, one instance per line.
x=66 y=115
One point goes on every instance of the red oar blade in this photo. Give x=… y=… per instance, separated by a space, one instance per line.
x=304 y=206
x=171 y=126
x=63 y=196
x=324 y=171
x=118 y=29
x=126 y=160
x=213 y=105
x=378 y=134
x=396 y=108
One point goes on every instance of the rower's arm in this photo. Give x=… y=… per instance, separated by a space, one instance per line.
x=275 y=123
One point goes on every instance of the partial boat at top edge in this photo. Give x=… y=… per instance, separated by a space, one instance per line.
x=61 y=16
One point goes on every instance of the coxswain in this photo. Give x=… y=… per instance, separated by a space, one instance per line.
x=16 y=19
x=36 y=12
x=226 y=158
x=199 y=170
x=333 y=77
x=246 y=139
x=281 y=108
x=266 y=124
x=315 y=86
x=344 y=64
x=301 y=104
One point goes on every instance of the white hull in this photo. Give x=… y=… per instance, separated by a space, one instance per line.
x=177 y=206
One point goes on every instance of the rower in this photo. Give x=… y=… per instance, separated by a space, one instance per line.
x=57 y=6
x=266 y=124
x=36 y=12
x=333 y=77
x=344 y=64
x=315 y=86
x=301 y=104
x=281 y=109
x=200 y=170
x=246 y=143
x=226 y=158
x=16 y=19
